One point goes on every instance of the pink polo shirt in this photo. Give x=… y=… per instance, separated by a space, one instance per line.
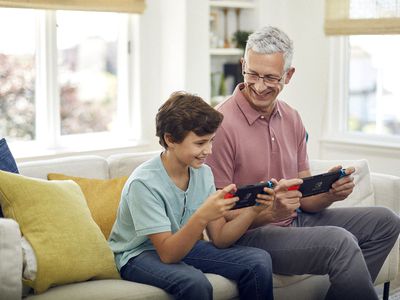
x=248 y=149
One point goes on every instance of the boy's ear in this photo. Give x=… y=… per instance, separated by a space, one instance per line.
x=169 y=140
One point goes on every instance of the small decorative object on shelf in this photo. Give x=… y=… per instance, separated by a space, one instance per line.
x=240 y=38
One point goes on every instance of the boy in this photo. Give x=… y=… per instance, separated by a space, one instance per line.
x=167 y=203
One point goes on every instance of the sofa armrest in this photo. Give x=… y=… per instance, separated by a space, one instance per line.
x=11 y=260
x=386 y=190
x=387 y=193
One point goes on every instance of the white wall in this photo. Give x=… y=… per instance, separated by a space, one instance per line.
x=174 y=55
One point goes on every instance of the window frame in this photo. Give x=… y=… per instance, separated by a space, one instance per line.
x=337 y=108
x=49 y=140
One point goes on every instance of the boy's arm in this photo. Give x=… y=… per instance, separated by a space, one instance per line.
x=223 y=234
x=173 y=247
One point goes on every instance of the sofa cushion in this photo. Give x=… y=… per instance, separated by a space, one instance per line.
x=363 y=193
x=10 y=259
x=89 y=166
x=102 y=197
x=124 y=164
x=125 y=290
x=54 y=217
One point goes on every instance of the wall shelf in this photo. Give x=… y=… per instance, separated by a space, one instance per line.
x=232 y=4
x=226 y=51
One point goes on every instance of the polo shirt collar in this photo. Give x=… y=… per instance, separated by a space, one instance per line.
x=249 y=112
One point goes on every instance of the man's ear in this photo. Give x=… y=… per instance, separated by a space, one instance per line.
x=289 y=75
x=169 y=140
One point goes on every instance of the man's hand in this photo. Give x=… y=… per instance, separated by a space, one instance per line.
x=286 y=201
x=265 y=200
x=343 y=187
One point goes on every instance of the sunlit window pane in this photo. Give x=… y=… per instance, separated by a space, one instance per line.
x=87 y=62
x=17 y=74
x=374 y=89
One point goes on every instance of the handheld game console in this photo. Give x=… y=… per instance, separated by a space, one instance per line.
x=318 y=184
x=248 y=194
x=312 y=185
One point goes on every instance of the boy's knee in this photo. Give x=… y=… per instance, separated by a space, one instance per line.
x=261 y=261
x=196 y=283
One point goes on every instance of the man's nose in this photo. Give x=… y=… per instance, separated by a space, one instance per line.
x=260 y=86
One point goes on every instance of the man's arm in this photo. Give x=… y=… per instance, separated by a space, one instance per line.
x=340 y=190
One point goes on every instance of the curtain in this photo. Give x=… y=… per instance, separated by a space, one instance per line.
x=350 y=17
x=124 y=6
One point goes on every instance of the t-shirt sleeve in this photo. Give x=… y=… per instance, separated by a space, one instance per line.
x=147 y=210
x=302 y=157
x=221 y=160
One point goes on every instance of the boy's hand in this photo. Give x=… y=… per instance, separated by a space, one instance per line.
x=216 y=206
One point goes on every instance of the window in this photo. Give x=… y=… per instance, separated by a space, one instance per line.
x=373 y=102
x=87 y=46
x=17 y=74
x=365 y=94
x=66 y=77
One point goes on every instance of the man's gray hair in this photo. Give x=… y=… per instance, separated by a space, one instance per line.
x=269 y=40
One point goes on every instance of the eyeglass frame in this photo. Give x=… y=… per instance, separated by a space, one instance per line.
x=264 y=78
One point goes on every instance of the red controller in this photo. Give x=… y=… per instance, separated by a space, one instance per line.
x=229 y=195
x=293 y=188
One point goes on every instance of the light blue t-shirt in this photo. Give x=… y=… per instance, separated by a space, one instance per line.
x=152 y=203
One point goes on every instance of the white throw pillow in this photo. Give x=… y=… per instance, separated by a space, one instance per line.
x=363 y=193
x=29 y=260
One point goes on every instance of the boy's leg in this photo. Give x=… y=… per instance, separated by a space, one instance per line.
x=251 y=268
x=180 y=280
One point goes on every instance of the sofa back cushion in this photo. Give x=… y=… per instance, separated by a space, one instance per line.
x=88 y=166
x=363 y=193
x=124 y=164
x=54 y=217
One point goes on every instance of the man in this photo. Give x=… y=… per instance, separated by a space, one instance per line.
x=262 y=137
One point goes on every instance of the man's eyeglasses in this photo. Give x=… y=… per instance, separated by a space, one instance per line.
x=267 y=79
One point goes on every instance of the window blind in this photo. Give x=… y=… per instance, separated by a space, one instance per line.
x=351 y=17
x=124 y=6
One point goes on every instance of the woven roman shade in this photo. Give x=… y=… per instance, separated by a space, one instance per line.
x=351 y=17
x=123 y=6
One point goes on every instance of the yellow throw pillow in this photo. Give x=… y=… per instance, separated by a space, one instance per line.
x=54 y=217
x=102 y=197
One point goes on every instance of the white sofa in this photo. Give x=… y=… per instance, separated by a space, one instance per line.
x=382 y=190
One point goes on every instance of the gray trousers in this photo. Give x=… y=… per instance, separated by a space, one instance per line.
x=348 y=244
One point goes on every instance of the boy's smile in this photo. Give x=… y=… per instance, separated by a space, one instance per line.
x=193 y=150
